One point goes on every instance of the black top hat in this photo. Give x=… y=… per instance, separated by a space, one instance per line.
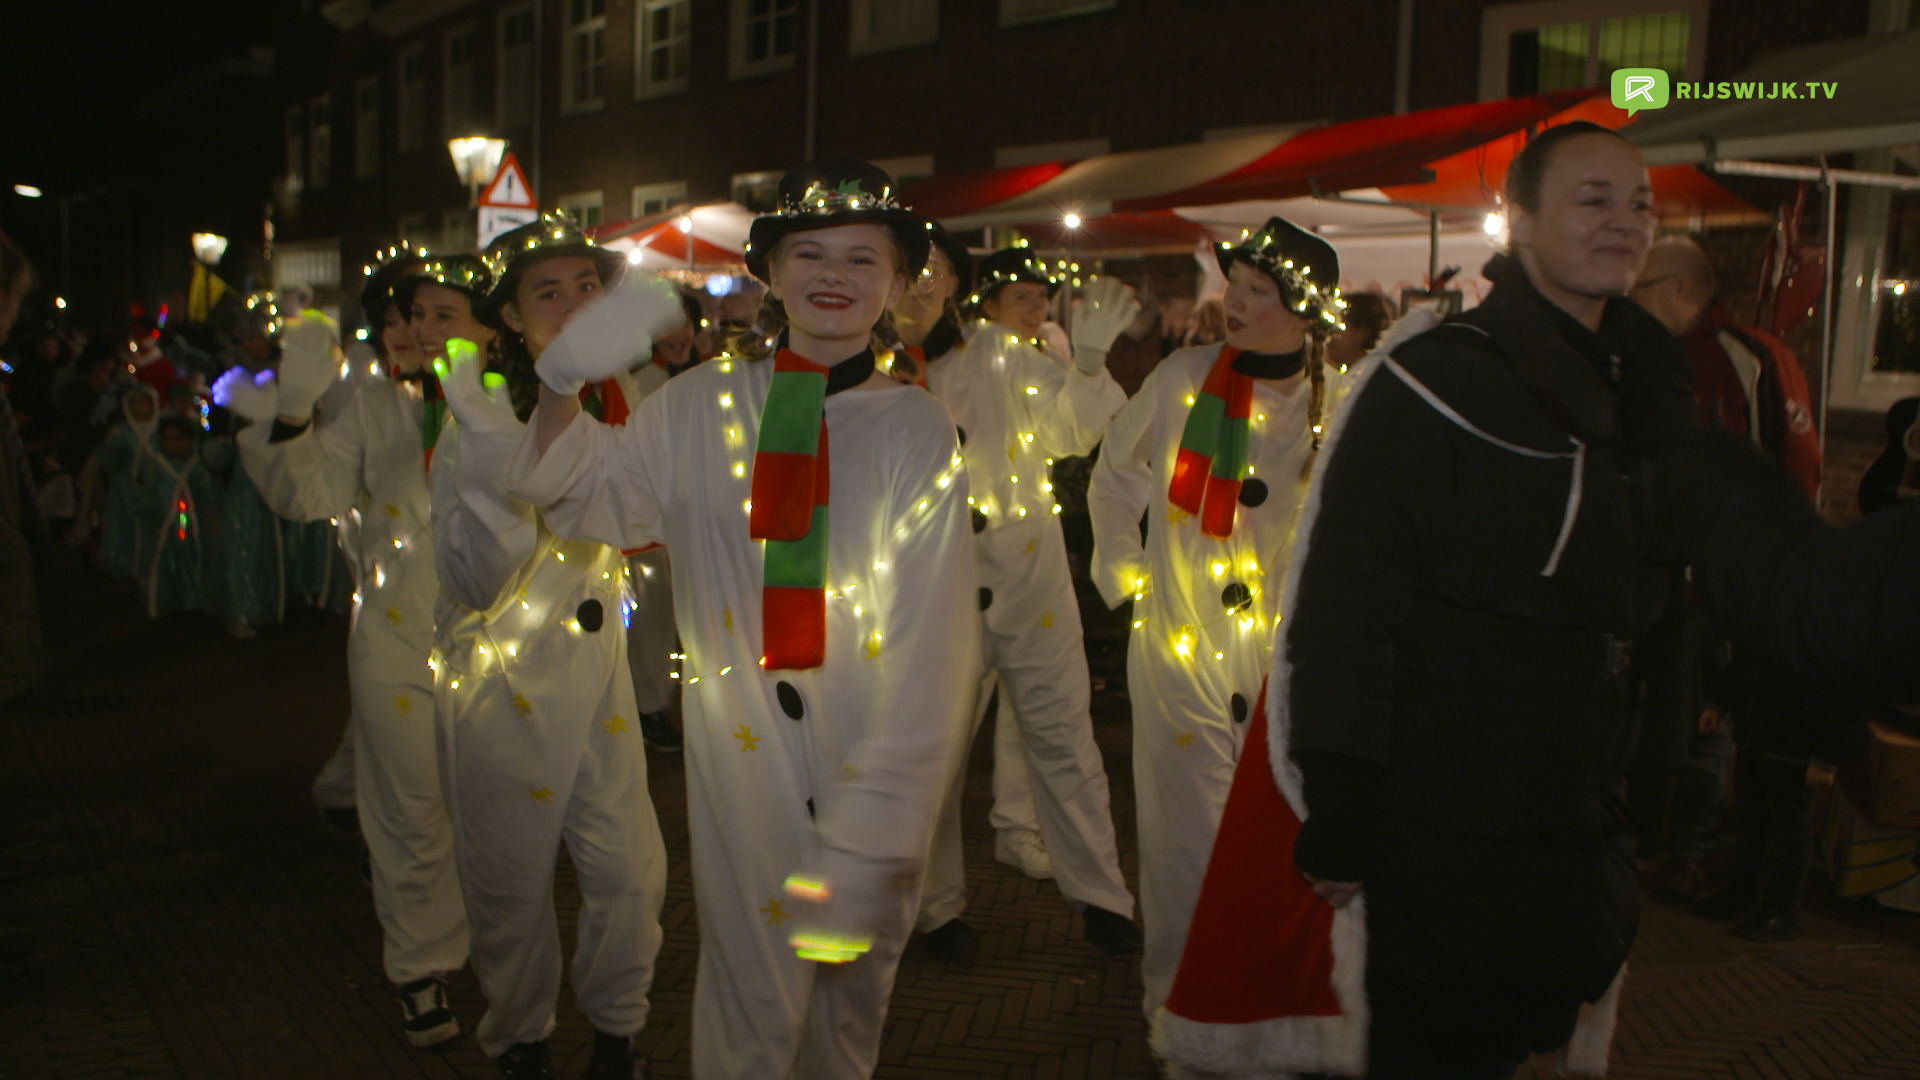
x=386 y=268
x=1304 y=266
x=835 y=191
x=553 y=236
x=1008 y=265
x=957 y=254
x=467 y=273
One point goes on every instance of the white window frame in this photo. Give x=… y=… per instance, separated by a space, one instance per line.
x=503 y=62
x=668 y=194
x=1499 y=24
x=905 y=169
x=1853 y=383
x=1019 y=12
x=1040 y=153
x=319 y=140
x=410 y=114
x=313 y=263
x=644 y=86
x=366 y=127
x=738 y=66
x=571 y=31
x=580 y=201
x=294 y=132
x=459 y=119
x=862 y=39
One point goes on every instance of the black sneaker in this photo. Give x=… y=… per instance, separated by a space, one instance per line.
x=1112 y=933
x=614 y=1059
x=659 y=732
x=525 y=1061
x=952 y=944
x=429 y=1019
x=1767 y=928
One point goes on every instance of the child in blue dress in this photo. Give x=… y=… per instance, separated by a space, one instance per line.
x=180 y=494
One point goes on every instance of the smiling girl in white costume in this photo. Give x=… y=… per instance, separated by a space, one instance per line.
x=824 y=587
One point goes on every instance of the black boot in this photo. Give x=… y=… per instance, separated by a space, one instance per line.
x=1112 y=933
x=614 y=1059
x=525 y=1061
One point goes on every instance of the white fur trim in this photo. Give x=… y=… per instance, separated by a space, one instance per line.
x=1593 y=1033
x=1278 y=1049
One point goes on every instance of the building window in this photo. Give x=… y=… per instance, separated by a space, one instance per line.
x=313 y=263
x=459 y=231
x=320 y=140
x=765 y=34
x=585 y=61
x=412 y=122
x=649 y=199
x=1564 y=44
x=585 y=206
x=411 y=230
x=366 y=127
x=1015 y=12
x=906 y=170
x=457 y=84
x=662 y=37
x=296 y=132
x=515 y=89
x=891 y=24
x=1876 y=353
x=757 y=191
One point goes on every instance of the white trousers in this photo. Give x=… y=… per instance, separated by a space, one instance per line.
x=333 y=784
x=1032 y=643
x=652 y=638
x=409 y=837
x=529 y=764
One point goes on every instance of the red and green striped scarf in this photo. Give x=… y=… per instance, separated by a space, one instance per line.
x=1213 y=448
x=790 y=513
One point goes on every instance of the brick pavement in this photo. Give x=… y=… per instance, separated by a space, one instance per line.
x=193 y=919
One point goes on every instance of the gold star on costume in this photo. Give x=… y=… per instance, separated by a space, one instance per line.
x=393 y=511
x=541 y=795
x=1046 y=621
x=1175 y=515
x=403 y=704
x=1032 y=545
x=617 y=723
x=776 y=912
x=748 y=740
x=1184 y=739
x=872 y=647
x=393 y=615
x=726 y=619
x=852 y=772
x=520 y=702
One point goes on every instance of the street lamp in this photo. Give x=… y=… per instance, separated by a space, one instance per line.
x=27 y=190
x=209 y=247
x=476 y=158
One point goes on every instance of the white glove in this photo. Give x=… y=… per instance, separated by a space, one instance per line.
x=239 y=392
x=611 y=334
x=1105 y=308
x=309 y=362
x=840 y=902
x=479 y=401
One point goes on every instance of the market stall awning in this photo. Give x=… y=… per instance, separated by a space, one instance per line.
x=1274 y=165
x=685 y=237
x=1872 y=105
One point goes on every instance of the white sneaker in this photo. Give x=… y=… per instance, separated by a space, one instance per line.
x=1025 y=849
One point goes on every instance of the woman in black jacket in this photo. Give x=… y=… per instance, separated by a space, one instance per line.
x=1484 y=552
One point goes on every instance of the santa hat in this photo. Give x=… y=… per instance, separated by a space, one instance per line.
x=1272 y=981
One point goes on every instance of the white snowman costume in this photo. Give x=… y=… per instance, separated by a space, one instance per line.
x=539 y=741
x=839 y=768
x=652 y=640
x=1019 y=410
x=1196 y=657
x=369 y=463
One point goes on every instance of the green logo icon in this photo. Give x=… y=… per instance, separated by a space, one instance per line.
x=1639 y=88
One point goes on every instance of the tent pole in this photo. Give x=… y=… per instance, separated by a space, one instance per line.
x=1433 y=249
x=1829 y=260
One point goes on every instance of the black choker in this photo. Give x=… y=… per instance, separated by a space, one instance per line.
x=1271 y=365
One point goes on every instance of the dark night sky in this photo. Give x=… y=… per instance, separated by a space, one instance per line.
x=75 y=71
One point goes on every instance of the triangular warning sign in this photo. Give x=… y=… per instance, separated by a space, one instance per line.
x=509 y=186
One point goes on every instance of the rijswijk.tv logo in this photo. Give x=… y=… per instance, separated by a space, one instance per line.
x=1651 y=88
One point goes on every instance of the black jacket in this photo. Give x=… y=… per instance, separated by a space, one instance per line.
x=1486 y=547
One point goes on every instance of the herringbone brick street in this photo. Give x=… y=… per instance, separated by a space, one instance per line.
x=191 y=917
